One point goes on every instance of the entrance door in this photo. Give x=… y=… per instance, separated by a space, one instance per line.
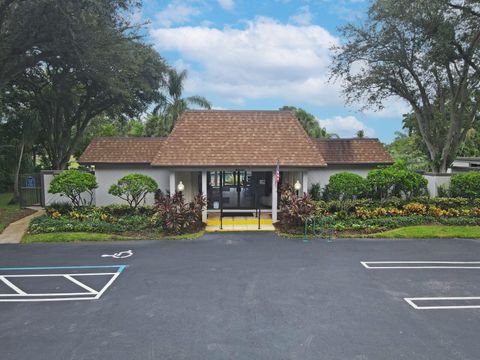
x=241 y=189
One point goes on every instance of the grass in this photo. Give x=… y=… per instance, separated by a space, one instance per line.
x=85 y=236
x=430 y=231
x=10 y=213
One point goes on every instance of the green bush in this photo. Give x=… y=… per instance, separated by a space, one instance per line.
x=345 y=186
x=133 y=188
x=72 y=184
x=446 y=203
x=466 y=184
x=119 y=210
x=46 y=224
x=395 y=181
x=316 y=192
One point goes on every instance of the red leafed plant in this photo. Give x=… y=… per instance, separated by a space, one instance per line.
x=175 y=216
x=295 y=210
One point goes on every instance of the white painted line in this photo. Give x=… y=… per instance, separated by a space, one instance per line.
x=46 y=275
x=90 y=294
x=420 y=264
x=107 y=286
x=12 y=286
x=49 y=294
x=79 y=283
x=47 y=299
x=411 y=302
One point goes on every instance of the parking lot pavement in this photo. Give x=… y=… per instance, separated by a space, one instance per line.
x=240 y=296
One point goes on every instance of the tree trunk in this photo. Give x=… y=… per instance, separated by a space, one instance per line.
x=16 y=184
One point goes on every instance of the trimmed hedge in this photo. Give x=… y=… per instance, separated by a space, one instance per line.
x=466 y=184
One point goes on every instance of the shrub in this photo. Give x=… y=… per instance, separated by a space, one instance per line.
x=345 y=185
x=396 y=181
x=466 y=184
x=175 y=216
x=316 y=192
x=133 y=188
x=72 y=183
x=295 y=210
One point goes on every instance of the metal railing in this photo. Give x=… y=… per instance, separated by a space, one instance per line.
x=317 y=228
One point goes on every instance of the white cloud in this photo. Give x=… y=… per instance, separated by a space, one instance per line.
x=264 y=59
x=303 y=16
x=345 y=126
x=227 y=4
x=393 y=107
x=177 y=12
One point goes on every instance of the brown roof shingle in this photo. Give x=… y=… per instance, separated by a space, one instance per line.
x=353 y=151
x=112 y=150
x=238 y=138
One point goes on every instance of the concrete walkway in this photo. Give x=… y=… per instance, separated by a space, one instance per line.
x=14 y=232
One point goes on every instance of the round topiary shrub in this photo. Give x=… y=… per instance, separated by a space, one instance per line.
x=466 y=185
x=345 y=185
x=74 y=184
x=133 y=188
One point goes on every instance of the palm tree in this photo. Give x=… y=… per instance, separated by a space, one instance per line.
x=172 y=104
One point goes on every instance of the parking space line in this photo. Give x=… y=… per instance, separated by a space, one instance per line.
x=371 y=265
x=68 y=273
x=415 y=302
x=411 y=302
x=79 y=283
x=12 y=286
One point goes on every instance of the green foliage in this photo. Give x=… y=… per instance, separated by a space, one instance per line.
x=119 y=210
x=389 y=41
x=466 y=184
x=396 y=181
x=409 y=148
x=308 y=121
x=72 y=183
x=175 y=216
x=171 y=104
x=133 y=188
x=316 y=192
x=345 y=186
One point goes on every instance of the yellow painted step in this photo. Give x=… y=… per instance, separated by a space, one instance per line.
x=239 y=222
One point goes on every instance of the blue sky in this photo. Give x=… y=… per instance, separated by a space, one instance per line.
x=244 y=54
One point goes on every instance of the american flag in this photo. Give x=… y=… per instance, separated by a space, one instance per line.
x=277 y=173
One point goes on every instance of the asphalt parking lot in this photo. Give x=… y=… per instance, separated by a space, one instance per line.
x=241 y=296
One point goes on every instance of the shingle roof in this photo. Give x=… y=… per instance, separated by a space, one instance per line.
x=238 y=138
x=353 y=151
x=132 y=150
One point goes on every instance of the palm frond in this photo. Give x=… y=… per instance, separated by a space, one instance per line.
x=199 y=101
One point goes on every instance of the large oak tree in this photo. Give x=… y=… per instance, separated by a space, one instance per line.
x=425 y=52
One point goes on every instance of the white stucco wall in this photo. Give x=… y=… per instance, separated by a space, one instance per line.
x=321 y=176
x=435 y=181
x=109 y=174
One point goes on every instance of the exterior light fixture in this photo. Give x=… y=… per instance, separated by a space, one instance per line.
x=180 y=187
x=297 y=186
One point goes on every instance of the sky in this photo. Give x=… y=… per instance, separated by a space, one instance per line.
x=261 y=55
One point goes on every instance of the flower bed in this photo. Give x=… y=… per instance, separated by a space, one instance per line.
x=170 y=215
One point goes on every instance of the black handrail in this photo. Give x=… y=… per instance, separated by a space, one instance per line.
x=221 y=200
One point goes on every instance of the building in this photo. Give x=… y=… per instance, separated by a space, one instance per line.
x=231 y=157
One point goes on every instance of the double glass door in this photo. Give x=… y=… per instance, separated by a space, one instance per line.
x=234 y=189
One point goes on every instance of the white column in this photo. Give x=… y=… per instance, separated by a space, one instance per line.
x=204 y=191
x=305 y=182
x=274 y=198
x=172 y=183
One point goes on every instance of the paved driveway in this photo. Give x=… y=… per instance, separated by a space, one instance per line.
x=240 y=296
